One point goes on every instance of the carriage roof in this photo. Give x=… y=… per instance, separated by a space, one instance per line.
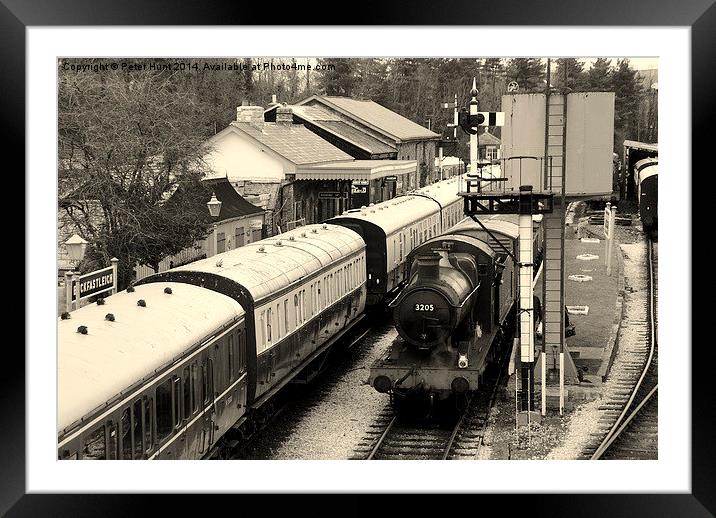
x=95 y=367
x=270 y=265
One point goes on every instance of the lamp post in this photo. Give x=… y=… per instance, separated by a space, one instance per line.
x=214 y=206
x=76 y=248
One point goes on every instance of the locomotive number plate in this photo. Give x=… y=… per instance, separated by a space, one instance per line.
x=424 y=307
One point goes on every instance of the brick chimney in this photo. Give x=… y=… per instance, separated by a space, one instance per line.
x=284 y=115
x=254 y=115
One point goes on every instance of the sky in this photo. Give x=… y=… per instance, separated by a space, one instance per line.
x=636 y=63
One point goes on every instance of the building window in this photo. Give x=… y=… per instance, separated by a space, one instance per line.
x=239 y=237
x=220 y=242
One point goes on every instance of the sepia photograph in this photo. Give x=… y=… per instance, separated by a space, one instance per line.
x=357 y=258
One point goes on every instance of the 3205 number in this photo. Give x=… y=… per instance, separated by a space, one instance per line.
x=424 y=307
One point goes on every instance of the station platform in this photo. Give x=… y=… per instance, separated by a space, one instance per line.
x=594 y=302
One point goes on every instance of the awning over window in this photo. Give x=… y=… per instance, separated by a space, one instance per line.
x=357 y=170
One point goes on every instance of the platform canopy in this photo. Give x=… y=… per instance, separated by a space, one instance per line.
x=356 y=170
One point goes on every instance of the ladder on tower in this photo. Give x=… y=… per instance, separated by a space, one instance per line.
x=556 y=355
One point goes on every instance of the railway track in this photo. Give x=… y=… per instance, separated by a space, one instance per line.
x=397 y=437
x=628 y=429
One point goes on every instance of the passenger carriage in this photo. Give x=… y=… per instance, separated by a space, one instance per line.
x=211 y=342
x=137 y=375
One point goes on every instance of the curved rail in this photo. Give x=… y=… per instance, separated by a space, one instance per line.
x=629 y=412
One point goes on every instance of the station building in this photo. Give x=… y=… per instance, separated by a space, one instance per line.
x=367 y=131
x=295 y=174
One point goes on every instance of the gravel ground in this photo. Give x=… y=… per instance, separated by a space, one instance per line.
x=331 y=416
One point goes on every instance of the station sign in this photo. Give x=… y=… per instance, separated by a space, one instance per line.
x=332 y=195
x=392 y=178
x=359 y=187
x=94 y=283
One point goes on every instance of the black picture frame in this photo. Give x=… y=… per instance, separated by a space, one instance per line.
x=17 y=15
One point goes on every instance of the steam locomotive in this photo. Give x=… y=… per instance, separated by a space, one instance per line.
x=455 y=311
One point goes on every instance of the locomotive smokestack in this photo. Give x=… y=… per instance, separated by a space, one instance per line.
x=428 y=267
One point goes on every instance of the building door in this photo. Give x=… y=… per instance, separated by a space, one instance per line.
x=220 y=242
x=239 y=237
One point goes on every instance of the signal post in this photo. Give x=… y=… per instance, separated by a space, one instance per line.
x=525 y=203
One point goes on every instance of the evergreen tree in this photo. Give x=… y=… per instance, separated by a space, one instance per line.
x=599 y=77
x=528 y=72
x=626 y=102
x=576 y=77
x=338 y=77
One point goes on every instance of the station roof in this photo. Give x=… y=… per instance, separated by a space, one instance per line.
x=294 y=142
x=374 y=116
x=356 y=170
x=340 y=127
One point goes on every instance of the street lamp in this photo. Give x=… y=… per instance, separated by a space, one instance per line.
x=76 y=248
x=214 y=206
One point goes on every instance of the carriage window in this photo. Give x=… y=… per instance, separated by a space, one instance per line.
x=186 y=379
x=242 y=353
x=137 y=428
x=177 y=401
x=113 y=444
x=263 y=328
x=148 y=419
x=279 y=328
x=268 y=325
x=285 y=315
x=164 y=409
x=95 y=448
x=303 y=305
x=232 y=357
x=194 y=386
x=205 y=382
x=126 y=434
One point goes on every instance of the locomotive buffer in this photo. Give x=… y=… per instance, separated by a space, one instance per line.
x=482 y=198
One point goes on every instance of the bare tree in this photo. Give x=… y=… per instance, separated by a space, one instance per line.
x=126 y=144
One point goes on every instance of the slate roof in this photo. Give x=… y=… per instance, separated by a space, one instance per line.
x=294 y=142
x=340 y=127
x=364 y=141
x=378 y=116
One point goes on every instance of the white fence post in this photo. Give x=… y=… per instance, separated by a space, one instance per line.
x=115 y=263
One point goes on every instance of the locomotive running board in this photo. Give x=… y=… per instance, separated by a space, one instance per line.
x=305 y=363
